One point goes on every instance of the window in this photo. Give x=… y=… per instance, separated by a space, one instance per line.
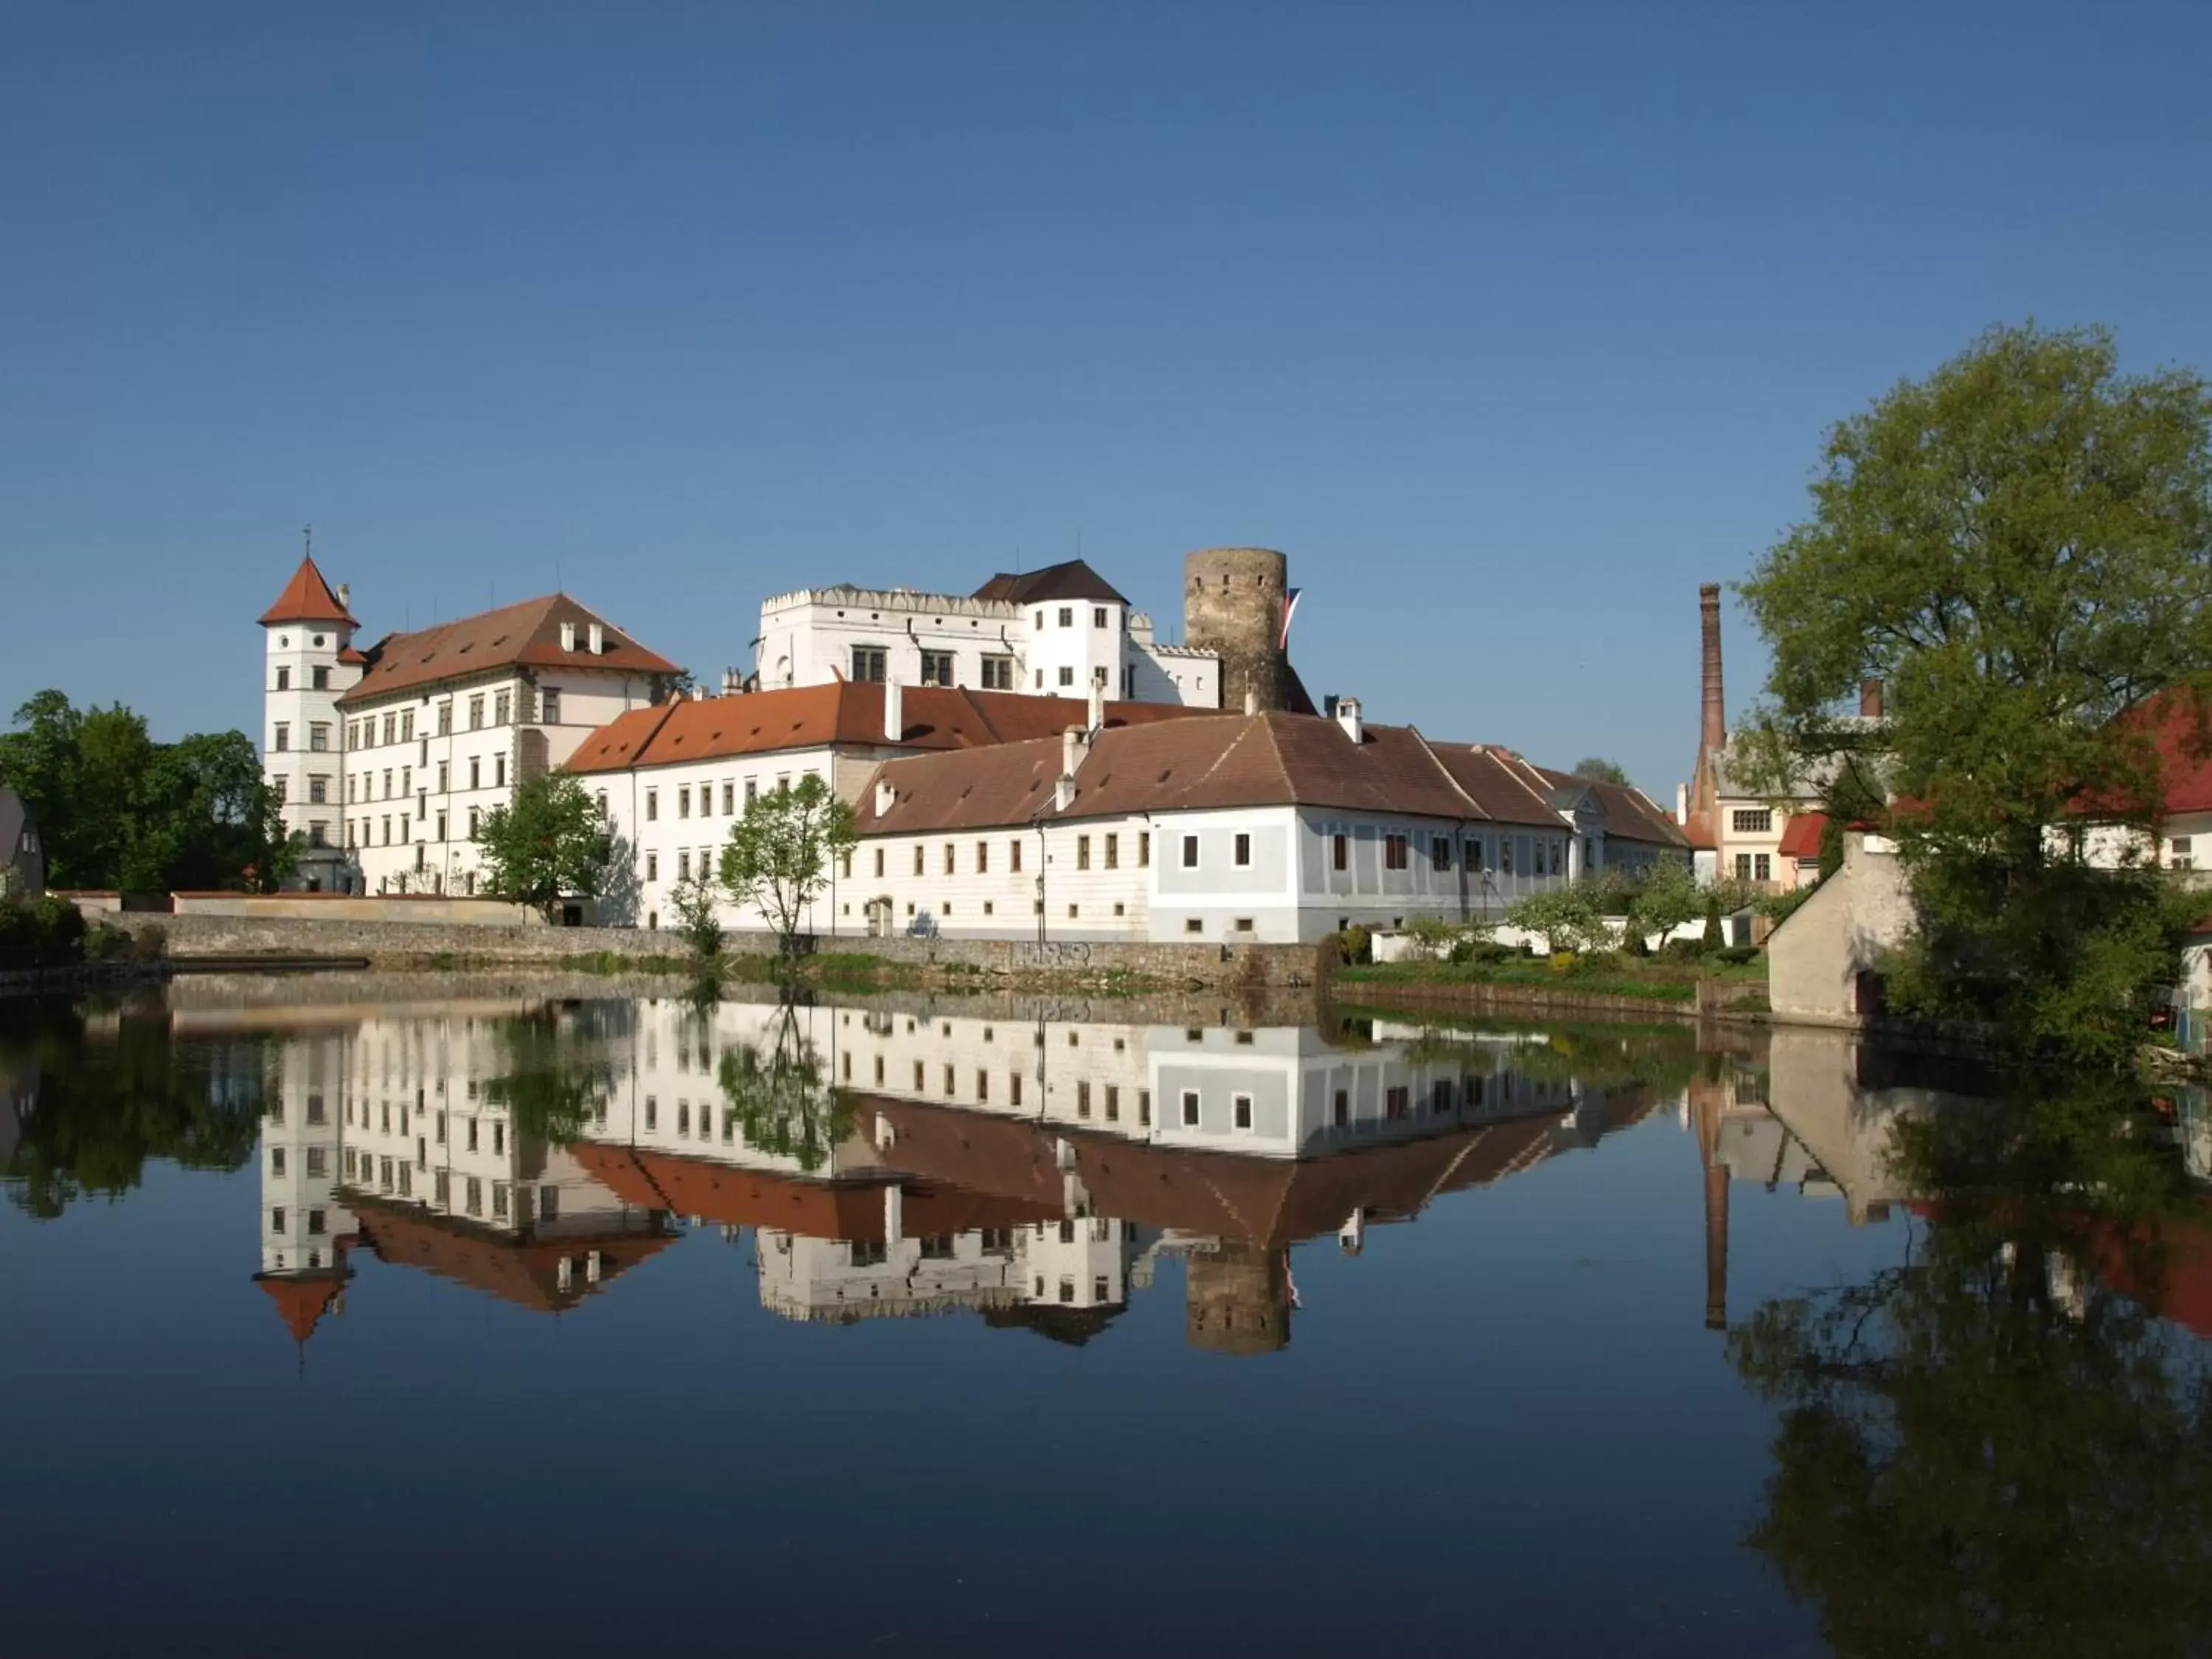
x=318 y=737
x=1192 y=925
x=879 y=861
x=917 y=858
x=283 y=679
x=318 y=789
x=1190 y=852
x=1068 y=616
x=476 y=772
x=1143 y=849
x=1098 y=616
x=445 y=718
x=1743 y=866
x=406 y=726
x=1751 y=821
x=276 y=1161
x=1083 y=852
x=1440 y=851
x=1243 y=854
x=1474 y=853
x=683 y=865
x=1190 y=1109
x=1241 y=925
x=683 y=802
x=1112 y=1104
x=321 y=678
x=1144 y=1108
x=868 y=663
x=499 y=771
x=284 y=737
x=1068 y=676
x=1397 y=1103
x=936 y=668
x=475 y=820
x=276 y=1221
x=1113 y=852
x=549 y=707
x=1762 y=867
x=2180 y=850
x=476 y=713
x=1341 y=1112
x=652 y=867
x=503 y=707
x=1039 y=679
x=1242 y=1107
x=652 y=805
x=391 y=728
x=730 y=801
x=1505 y=855
x=752 y=792
x=998 y=673
x=1083 y=1100
x=950 y=856
x=1014 y=856
x=1394 y=851
x=1339 y=852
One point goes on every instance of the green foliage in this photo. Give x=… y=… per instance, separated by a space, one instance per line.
x=1570 y=917
x=778 y=856
x=1989 y=1448
x=2018 y=546
x=782 y=1098
x=1354 y=945
x=1778 y=907
x=1601 y=771
x=41 y=932
x=117 y=810
x=100 y=1107
x=1712 y=939
x=550 y=844
x=697 y=906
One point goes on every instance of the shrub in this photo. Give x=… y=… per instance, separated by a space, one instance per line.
x=46 y=932
x=1736 y=955
x=1712 y=939
x=1683 y=950
x=1355 y=946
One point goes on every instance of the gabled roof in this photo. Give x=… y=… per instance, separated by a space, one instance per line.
x=844 y=712
x=527 y=635
x=2184 y=773
x=1232 y=760
x=1629 y=814
x=1801 y=836
x=303 y=1299
x=1072 y=580
x=523 y=1271
x=308 y=598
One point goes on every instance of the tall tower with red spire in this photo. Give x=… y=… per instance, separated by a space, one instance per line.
x=307 y=659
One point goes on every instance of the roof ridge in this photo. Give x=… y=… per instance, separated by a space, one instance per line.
x=1445 y=772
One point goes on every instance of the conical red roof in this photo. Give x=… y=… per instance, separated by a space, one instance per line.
x=305 y=1300
x=308 y=598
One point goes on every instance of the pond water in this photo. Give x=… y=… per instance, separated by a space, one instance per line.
x=341 y=1313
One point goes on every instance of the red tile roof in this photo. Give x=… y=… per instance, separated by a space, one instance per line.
x=2185 y=750
x=1801 y=836
x=1073 y=581
x=308 y=598
x=1236 y=760
x=844 y=712
x=523 y=1271
x=303 y=1299
x=527 y=635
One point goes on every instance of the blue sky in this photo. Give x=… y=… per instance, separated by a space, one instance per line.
x=1509 y=325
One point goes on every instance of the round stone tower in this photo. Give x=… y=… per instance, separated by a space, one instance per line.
x=1232 y=605
x=1237 y=1298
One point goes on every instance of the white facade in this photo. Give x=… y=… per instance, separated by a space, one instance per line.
x=1268 y=875
x=1057 y=648
x=423 y=765
x=303 y=738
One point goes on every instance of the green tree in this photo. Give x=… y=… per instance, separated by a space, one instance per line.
x=1988 y=1449
x=782 y=1099
x=777 y=858
x=697 y=904
x=2021 y=548
x=550 y=844
x=1601 y=771
x=1570 y=917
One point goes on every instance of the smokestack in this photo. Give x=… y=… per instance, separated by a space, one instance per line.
x=893 y=712
x=1097 y=707
x=1870 y=699
x=1712 y=735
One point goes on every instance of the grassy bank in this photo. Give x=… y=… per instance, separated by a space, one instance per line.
x=1739 y=984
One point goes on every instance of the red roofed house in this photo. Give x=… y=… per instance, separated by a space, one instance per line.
x=385 y=759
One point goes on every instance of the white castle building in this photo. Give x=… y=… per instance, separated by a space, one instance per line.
x=1056 y=632
x=385 y=760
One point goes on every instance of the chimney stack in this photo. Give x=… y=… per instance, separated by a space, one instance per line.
x=886 y=797
x=346 y=597
x=1251 y=701
x=893 y=712
x=729 y=682
x=1870 y=699
x=1097 y=707
x=1712 y=734
x=1071 y=751
x=598 y=639
x=568 y=636
x=1681 y=803
x=1348 y=716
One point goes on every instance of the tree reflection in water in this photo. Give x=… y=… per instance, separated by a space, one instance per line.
x=1991 y=1448
x=783 y=1102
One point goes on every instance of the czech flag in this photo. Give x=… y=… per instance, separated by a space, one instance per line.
x=1290 y=596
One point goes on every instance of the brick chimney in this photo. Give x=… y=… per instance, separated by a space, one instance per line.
x=1712 y=732
x=1870 y=699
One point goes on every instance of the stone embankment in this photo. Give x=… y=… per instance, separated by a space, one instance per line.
x=239 y=940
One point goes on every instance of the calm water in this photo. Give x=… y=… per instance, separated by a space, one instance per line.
x=337 y=1320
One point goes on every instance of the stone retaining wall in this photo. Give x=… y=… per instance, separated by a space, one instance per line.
x=403 y=944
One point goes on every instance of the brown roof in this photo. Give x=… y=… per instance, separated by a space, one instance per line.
x=844 y=712
x=523 y=1271
x=308 y=598
x=1509 y=788
x=1240 y=760
x=735 y=1196
x=1072 y=580
x=1629 y=814
x=303 y=1299
x=527 y=635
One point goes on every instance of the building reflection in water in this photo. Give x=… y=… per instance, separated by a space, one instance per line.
x=883 y=1164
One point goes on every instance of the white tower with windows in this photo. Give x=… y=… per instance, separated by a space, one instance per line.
x=308 y=659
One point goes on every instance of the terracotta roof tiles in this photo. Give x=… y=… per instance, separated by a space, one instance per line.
x=308 y=598
x=1073 y=580
x=527 y=635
